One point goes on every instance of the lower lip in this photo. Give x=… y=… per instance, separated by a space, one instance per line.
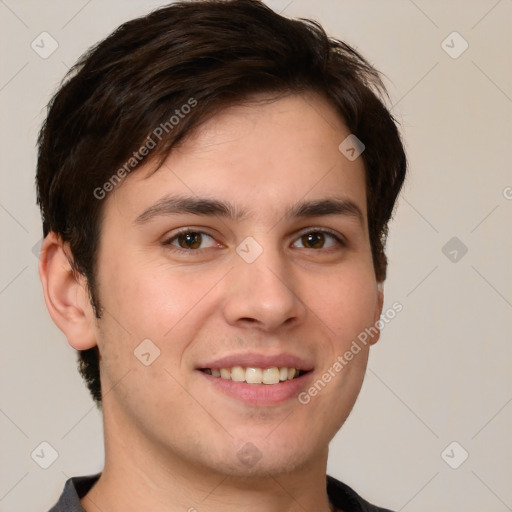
x=260 y=394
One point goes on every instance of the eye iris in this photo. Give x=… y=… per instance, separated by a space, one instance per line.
x=191 y=240
x=314 y=239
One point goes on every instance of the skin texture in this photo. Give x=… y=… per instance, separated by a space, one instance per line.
x=172 y=439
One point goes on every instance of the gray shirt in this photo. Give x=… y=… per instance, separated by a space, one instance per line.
x=340 y=495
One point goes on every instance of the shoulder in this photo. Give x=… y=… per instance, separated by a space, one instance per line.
x=74 y=489
x=345 y=498
x=340 y=495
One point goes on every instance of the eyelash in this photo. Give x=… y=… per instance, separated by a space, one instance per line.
x=169 y=246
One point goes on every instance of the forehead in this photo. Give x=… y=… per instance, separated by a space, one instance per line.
x=267 y=154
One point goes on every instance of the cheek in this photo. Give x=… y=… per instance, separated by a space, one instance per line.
x=347 y=303
x=142 y=304
x=151 y=300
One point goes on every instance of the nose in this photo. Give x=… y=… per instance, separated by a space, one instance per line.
x=263 y=293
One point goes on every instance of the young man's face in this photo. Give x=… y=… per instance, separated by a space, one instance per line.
x=253 y=291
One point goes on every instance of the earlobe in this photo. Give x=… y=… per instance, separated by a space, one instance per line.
x=65 y=294
x=378 y=311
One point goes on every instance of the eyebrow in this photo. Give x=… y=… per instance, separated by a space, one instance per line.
x=176 y=205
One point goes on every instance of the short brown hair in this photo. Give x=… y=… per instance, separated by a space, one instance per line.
x=217 y=53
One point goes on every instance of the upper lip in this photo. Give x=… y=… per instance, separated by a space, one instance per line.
x=253 y=360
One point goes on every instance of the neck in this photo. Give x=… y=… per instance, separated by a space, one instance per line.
x=140 y=476
x=132 y=490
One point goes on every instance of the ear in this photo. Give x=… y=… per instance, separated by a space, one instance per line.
x=378 y=311
x=66 y=294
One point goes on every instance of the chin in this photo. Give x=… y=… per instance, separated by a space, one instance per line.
x=263 y=469
x=262 y=459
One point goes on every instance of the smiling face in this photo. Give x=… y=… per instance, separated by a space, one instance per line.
x=249 y=248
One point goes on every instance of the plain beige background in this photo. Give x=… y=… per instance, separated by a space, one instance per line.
x=441 y=372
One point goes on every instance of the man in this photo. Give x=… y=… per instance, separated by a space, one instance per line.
x=215 y=182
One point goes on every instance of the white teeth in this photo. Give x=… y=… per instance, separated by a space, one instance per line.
x=252 y=375
x=237 y=374
x=271 y=375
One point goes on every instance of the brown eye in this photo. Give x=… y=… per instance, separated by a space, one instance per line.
x=313 y=240
x=189 y=241
x=317 y=240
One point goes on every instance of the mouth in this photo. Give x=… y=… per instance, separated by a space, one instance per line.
x=260 y=380
x=252 y=375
